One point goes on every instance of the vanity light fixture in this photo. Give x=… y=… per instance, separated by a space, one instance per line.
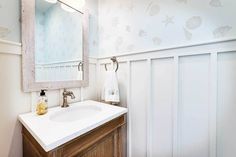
x=51 y=1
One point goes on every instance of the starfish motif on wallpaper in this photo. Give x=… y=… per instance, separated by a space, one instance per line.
x=168 y=20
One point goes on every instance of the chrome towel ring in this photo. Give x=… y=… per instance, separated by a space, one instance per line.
x=81 y=66
x=114 y=60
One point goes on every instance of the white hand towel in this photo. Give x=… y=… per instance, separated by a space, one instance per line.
x=110 y=91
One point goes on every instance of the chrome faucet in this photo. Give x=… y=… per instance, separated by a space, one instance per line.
x=65 y=94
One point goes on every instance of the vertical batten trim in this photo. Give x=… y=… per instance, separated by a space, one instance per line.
x=149 y=109
x=129 y=151
x=97 y=79
x=213 y=106
x=175 y=108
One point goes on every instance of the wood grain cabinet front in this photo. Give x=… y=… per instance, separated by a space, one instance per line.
x=104 y=141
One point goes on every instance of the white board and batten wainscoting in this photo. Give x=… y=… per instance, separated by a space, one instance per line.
x=182 y=101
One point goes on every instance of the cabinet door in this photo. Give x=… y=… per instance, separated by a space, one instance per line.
x=103 y=149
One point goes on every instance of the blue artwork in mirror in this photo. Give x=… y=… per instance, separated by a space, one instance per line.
x=58 y=42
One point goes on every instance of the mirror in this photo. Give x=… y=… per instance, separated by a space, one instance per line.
x=58 y=42
x=54 y=46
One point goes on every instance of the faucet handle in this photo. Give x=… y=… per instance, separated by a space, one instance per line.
x=72 y=95
x=68 y=93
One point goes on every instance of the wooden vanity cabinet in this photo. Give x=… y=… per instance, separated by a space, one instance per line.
x=104 y=141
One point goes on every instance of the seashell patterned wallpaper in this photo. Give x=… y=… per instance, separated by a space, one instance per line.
x=10 y=20
x=129 y=26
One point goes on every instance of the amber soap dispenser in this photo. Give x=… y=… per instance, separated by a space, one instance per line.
x=42 y=105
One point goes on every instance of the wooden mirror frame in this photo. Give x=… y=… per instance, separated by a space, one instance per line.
x=28 y=52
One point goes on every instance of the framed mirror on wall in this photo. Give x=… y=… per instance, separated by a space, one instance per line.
x=54 y=44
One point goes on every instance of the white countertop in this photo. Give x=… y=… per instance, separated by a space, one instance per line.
x=51 y=134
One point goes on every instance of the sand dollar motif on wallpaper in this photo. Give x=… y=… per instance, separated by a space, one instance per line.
x=142 y=33
x=188 y=34
x=194 y=22
x=156 y=41
x=4 y=32
x=221 y=31
x=153 y=9
x=215 y=3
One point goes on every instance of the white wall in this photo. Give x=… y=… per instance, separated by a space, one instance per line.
x=226 y=104
x=13 y=100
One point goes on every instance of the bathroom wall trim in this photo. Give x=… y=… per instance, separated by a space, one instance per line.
x=10 y=47
x=14 y=48
x=218 y=47
x=207 y=44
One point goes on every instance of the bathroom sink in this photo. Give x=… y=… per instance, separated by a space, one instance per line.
x=72 y=114
x=61 y=125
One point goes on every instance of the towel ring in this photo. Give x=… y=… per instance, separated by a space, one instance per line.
x=81 y=66
x=114 y=60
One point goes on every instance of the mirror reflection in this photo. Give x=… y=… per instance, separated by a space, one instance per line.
x=58 y=42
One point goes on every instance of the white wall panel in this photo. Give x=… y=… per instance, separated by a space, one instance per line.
x=226 y=129
x=194 y=75
x=180 y=118
x=122 y=79
x=138 y=108
x=162 y=107
x=90 y=92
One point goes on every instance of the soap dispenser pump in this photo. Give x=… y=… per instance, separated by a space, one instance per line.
x=42 y=106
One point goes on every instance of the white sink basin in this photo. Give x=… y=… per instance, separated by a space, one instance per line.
x=72 y=114
x=60 y=125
